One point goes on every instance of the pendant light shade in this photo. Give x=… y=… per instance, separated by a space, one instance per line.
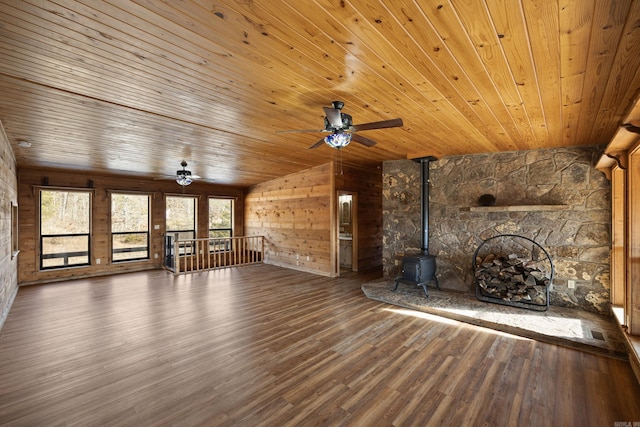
x=184 y=178
x=338 y=140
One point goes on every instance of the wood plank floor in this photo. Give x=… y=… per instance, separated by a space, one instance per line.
x=263 y=345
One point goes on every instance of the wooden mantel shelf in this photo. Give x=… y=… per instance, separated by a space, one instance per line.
x=518 y=208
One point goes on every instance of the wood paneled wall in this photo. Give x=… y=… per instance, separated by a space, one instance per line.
x=367 y=183
x=30 y=180
x=297 y=215
x=8 y=197
x=294 y=215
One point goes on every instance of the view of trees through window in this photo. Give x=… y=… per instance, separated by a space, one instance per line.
x=220 y=222
x=181 y=216
x=65 y=225
x=65 y=222
x=129 y=226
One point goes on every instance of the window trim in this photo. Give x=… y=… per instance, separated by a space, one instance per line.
x=229 y=246
x=117 y=233
x=41 y=236
x=15 y=241
x=194 y=231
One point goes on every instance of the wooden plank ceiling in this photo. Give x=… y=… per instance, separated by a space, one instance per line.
x=134 y=87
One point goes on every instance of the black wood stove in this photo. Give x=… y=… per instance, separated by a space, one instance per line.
x=419 y=269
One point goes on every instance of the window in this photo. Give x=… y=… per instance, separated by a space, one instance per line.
x=181 y=216
x=220 y=223
x=129 y=227
x=65 y=223
x=15 y=249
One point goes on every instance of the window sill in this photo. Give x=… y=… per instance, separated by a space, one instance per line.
x=64 y=267
x=126 y=261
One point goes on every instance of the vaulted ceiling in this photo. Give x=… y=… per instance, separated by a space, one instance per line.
x=134 y=87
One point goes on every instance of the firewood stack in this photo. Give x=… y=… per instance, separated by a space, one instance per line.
x=512 y=279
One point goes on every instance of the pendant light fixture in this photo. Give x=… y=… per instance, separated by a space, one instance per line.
x=338 y=140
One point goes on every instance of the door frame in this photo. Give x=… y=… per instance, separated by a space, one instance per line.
x=354 y=227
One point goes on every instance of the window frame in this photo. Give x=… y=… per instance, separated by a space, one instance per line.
x=227 y=247
x=121 y=233
x=66 y=255
x=15 y=242
x=184 y=249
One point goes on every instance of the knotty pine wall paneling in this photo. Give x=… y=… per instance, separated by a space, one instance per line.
x=294 y=215
x=31 y=179
x=367 y=183
x=8 y=197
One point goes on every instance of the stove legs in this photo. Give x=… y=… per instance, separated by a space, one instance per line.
x=423 y=285
x=424 y=288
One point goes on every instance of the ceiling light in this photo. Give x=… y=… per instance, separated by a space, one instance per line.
x=338 y=140
x=184 y=177
x=23 y=143
x=184 y=180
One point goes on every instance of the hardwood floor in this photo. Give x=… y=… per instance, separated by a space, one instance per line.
x=262 y=345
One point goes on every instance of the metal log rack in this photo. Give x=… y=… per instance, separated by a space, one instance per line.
x=533 y=248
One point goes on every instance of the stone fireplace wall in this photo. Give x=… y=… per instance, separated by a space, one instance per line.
x=577 y=238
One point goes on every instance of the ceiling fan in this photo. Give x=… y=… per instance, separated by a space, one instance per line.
x=184 y=177
x=342 y=130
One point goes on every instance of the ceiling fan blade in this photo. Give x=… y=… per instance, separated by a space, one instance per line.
x=393 y=123
x=362 y=140
x=317 y=144
x=301 y=130
x=334 y=117
x=173 y=177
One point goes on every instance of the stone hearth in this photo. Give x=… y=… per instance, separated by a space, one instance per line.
x=568 y=327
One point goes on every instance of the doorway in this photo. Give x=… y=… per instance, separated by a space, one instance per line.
x=347 y=231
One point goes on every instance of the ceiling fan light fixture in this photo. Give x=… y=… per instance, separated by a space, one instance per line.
x=338 y=140
x=184 y=181
x=184 y=177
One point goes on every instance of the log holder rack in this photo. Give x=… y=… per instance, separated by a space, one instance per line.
x=537 y=253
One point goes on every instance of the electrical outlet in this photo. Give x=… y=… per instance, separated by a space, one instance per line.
x=156 y=227
x=307 y=257
x=571 y=284
x=297 y=256
x=155 y=256
x=97 y=261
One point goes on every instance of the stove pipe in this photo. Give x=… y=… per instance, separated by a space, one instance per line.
x=424 y=202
